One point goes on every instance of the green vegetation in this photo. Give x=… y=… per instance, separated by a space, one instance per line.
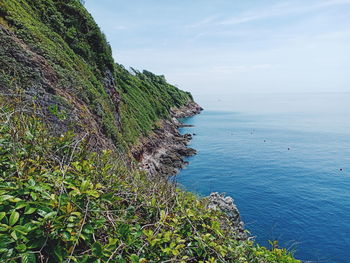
x=60 y=199
x=146 y=98
x=63 y=203
x=66 y=40
x=65 y=47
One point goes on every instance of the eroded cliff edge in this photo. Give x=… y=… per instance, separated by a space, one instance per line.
x=162 y=154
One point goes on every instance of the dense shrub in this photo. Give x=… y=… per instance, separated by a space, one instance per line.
x=60 y=202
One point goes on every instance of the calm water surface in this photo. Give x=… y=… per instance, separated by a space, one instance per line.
x=285 y=159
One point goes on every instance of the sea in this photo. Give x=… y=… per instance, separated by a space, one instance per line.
x=285 y=160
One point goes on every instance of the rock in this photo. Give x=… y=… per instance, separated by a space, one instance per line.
x=161 y=155
x=187 y=151
x=188 y=110
x=185 y=125
x=188 y=136
x=226 y=205
x=162 y=152
x=176 y=122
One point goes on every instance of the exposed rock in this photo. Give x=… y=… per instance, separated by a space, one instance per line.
x=226 y=204
x=109 y=85
x=188 y=110
x=37 y=80
x=185 y=125
x=163 y=151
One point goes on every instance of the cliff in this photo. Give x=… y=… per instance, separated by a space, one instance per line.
x=53 y=53
x=75 y=129
x=162 y=152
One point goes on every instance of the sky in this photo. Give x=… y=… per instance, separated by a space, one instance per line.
x=225 y=47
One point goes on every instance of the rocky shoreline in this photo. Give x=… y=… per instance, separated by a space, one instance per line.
x=163 y=152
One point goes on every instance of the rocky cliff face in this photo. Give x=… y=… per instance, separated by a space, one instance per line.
x=188 y=110
x=53 y=55
x=162 y=152
x=226 y=204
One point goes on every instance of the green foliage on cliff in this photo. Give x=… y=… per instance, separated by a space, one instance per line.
x=54 y=50
x=140 y=114
x=61 y=41
x=60 y=202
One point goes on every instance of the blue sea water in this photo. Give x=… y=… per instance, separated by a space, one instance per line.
x=285 y=159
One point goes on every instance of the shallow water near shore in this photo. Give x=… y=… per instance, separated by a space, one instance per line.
x=285 y=159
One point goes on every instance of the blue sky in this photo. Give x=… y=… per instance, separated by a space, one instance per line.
x=212 y=47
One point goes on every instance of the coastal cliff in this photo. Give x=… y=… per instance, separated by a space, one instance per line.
x=162 y=152
x=75 y=129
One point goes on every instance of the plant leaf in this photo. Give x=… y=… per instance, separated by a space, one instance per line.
x=29 y=210
x=97 y=249
x=2 y=215
x=28 y=258
x=13 y=218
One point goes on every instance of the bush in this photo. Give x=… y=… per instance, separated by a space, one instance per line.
x=60 y=202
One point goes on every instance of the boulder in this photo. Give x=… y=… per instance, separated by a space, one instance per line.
x=226 y=205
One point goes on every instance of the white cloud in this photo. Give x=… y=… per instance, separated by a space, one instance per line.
x=203 y=22
x=119 y=27
x=280 y=10
x=241 y=68
x=208 y=53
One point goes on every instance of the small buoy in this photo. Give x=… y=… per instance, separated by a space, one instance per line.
x=288 y=148
x=264 y=140
x=341 y=169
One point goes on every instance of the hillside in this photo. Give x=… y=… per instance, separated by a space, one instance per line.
x=69 y=187
x=53 y=52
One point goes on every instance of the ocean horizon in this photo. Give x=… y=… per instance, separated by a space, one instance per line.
x=285 y=159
